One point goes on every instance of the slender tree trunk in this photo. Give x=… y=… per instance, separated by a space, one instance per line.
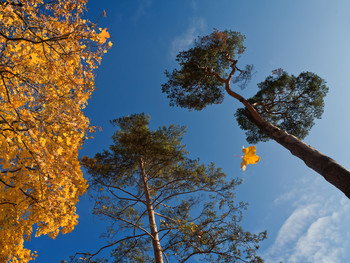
x=152 y=222
x=333 y=172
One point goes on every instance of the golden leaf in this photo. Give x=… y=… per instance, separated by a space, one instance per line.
x=35 y=58
x=59 y=151
x=249 y=157
x=103 y=36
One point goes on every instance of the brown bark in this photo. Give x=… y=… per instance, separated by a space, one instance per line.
x=152 y=222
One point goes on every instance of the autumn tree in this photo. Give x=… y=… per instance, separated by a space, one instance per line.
x=283 y=109
x=47 y=56
x=158 y=199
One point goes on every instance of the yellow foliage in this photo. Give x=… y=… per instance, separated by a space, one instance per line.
x=249 y=157
x=46 y=77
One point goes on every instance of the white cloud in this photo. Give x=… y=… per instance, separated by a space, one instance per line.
x=296 y=224
x=184 y=41
x=317 y=230
x=321 y=242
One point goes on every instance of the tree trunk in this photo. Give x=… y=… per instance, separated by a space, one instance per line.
x=152 y=222
x=320 y=163
x=333 y=172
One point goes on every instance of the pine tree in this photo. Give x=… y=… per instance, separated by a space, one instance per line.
x=157 y=198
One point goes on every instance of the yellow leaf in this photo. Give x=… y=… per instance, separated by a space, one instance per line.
x=35 y=58
x=249 y=157
x=59 y=151
x=103 y=36
x=42 y=141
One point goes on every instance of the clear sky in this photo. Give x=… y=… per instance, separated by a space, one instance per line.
x=307 y=219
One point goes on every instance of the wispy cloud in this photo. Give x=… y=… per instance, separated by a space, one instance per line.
x=321 y=243
x=194 y=5
x=296 y=224
x=141 y=10
x=317 y=230
x=184 y=41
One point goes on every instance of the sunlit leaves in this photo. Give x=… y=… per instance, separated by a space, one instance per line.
x=249 y=157
x=47 y=57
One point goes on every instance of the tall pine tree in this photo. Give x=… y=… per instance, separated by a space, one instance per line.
x=157 y=199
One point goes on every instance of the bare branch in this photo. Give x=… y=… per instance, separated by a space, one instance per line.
x=91 y=255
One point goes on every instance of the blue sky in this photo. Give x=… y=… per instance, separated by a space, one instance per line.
x=307 y=219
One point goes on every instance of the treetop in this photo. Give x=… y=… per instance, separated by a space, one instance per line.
x=204 y=68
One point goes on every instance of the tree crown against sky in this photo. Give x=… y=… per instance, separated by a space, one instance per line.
x=200 y=66
x=193 y=204
x=47 y=56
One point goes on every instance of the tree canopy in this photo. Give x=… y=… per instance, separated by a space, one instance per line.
x=47 y=56
x=157 y=198
x=288 y=102
x=198 y=82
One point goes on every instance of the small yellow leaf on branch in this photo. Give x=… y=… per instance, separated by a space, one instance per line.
x=249 y=157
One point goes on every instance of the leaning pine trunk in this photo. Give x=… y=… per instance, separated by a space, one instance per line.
x=152 y=222
x=334 y=173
